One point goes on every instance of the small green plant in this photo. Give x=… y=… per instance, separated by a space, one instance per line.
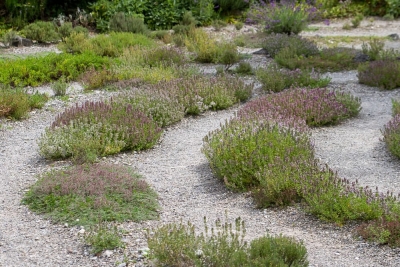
x=356 y=21
x=103 y=237
x=42 y=31
x=244 y=68
x=60 y=87
x=274 y=79
x=298 y=45
x=178 y=245
x=85 y=194
x=239 y=25
x=228 y=55
x=66 y=29
x=219 y=24
x=16 y=103
x=8 y=38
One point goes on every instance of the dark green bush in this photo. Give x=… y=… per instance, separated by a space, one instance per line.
x=122 y=22
x=85 y=194
x=42 y=31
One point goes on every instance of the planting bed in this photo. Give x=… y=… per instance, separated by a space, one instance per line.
x=180 y=174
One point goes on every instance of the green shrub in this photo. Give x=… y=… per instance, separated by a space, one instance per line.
x=122 y=22
x=384 y=74
x=328 y=59
x=155 y=104
x=395 y=107
x=244 y=68
x=93 y=79
x=66 y=29
x=228 y=55
x=279 y=17
x=111 y=45
x=356 y=21
x=8 y=38
x=14 y=103
x=277 y=251
x=42 y=31
x=299 y=46
x=381 y=231
x=239 y=25
x=178 y=245
x=274 y=79
x=197 y=94
x=219 y=24
x=97 y=129
x=34 y=71
x=60 y=87
x=102 y=237
x=227 y=6
x=85 y=194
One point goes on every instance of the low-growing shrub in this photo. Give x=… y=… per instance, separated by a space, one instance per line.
x=85 y=194
x=244 y=68
x=16 y=103
x=34 y=71
x=157 y=105
x=298 y=45
x=381 y=231
x=384 y=74
x=93 y=129
x=328 y=59
x=123 y=22
x=219 y=24
x=66 y=29
x=239 y=25
x=178 y=245
x=111 y=45
x=60 y=87
x=93 y=79
x=281 y=16
x=274 y=79
x=42 y=31
x=391 y=135
x=197 y=94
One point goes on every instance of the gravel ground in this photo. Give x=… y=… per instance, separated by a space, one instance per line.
x=180 y=174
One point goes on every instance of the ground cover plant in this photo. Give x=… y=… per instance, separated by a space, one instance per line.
x=85 y=194
x=179 y=245
x=35 y=71
x=94 y=129
x=274 y=79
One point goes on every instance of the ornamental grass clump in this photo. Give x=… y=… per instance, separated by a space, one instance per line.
x=93 y=129
x=85 y=194
x=384 y=74
x=179 y=245
x=274 y=79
